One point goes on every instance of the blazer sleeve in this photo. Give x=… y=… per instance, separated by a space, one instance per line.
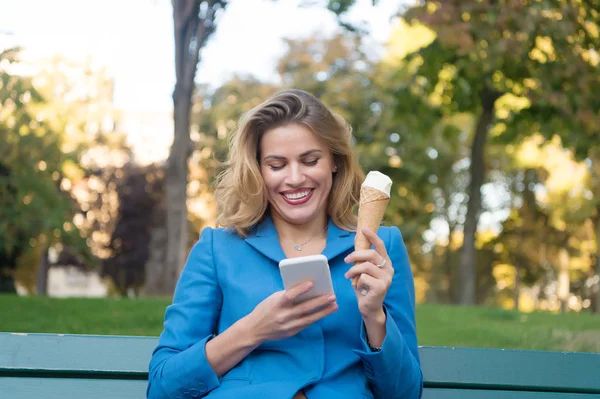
x=395 y=370
x=178 y=367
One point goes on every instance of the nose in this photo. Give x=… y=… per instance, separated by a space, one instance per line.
x=296 y=175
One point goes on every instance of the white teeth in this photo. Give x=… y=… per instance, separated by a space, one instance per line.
x=298 y=195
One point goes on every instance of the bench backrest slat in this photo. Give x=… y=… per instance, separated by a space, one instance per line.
x=511 y=369
x=75 y=353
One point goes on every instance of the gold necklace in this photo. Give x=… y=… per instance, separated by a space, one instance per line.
x=298 y=247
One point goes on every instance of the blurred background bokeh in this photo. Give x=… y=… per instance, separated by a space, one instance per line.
x=485 y=113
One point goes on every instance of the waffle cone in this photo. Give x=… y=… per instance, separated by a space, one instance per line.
x=371 y=208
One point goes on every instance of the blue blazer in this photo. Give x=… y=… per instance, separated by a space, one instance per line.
x=223 y=280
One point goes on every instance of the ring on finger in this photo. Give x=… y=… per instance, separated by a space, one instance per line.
x=382 y=264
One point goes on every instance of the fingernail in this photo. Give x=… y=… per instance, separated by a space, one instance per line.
x=346 y=259
x=309 y=285
x=331 y=298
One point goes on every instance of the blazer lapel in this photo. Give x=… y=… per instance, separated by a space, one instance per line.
x=338 y=241
x=265 y=240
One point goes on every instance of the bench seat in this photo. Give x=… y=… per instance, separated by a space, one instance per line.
x=57 y=366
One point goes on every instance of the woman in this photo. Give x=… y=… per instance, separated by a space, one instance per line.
x=232 y=331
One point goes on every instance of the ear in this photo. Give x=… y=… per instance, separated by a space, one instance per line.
x=334 y=168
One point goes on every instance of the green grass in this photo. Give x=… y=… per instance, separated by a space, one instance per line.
x=82 y=315
x=482 y=327
x=437 y=325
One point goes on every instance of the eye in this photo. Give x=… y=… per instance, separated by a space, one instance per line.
x=311 y=162
x=276 y=167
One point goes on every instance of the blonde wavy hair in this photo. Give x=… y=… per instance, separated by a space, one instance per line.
x=240 y=191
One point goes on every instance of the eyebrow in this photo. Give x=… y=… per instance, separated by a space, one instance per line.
x=304 y=154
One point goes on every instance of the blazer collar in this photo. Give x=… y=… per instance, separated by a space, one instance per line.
x=265 y=240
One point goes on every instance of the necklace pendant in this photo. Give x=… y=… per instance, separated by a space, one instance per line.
x=297 y=247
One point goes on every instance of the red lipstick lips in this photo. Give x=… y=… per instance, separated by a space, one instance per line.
x=297 y=201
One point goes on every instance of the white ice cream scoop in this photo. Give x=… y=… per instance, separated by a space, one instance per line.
x=378 y=181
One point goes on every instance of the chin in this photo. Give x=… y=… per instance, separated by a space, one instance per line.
x=298 y=218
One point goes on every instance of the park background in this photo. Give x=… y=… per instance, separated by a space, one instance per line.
x=485 y=113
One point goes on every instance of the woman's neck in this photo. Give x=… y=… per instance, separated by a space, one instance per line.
x=298 y=233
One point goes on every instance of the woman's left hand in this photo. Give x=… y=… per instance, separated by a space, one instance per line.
x=374 y=267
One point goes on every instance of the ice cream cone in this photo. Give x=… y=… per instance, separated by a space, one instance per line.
x=371 y=208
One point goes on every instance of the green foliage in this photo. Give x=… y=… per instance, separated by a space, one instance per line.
x=546 y=52
x=536 y=65
x=140 y=192
x=216 y=114
x=33 y=206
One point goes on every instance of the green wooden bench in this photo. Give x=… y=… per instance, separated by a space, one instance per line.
x=99 y=367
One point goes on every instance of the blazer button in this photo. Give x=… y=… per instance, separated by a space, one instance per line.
x=202 y=387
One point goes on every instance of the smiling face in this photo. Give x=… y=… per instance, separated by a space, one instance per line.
x=297 y=169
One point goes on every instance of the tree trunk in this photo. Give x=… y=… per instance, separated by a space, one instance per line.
x=517 y=261
x=176 y=190
x=596 y=288
x=435 y=280
x=466 y=267
x=563 y=279
x=451 y=292
x=157 y=250
x=193 y=25
x=595 y=156
x=517 y=292
x=543 y=261
x=7 y=282
x=42 y=277
x=441 y=271
x=8 y=265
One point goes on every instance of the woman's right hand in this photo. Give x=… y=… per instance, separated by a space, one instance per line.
x=279 y=316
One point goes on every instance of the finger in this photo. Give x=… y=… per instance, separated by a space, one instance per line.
x=373 y=257
x=311 y=305
x=358 y=257
x=369 y=285
x=365 y=267
x=297 y=290
x=362 y=255
x=318 y=315
x=376 y=241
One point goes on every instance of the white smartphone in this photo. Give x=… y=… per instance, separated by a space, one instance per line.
x=313 y=268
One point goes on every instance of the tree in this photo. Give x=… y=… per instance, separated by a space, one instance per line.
x=139 y=190
x=216 y=115
x=545 y=242
x=485 y=50
x=488 y=50
x=565 y=102
x=194 y=23
x=79 y=106
x=35 y=206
